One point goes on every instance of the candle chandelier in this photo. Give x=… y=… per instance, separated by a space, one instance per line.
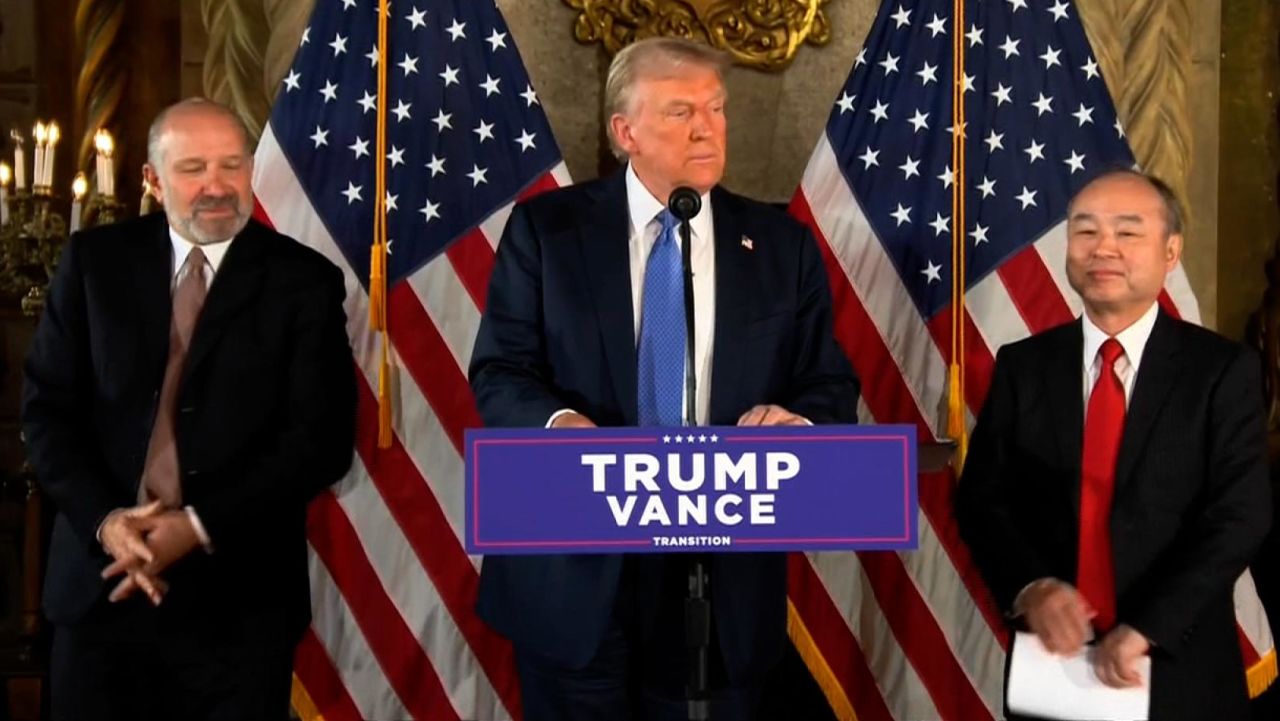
x=33 y=228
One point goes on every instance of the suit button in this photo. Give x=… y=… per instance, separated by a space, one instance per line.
x=192 y=473
x=187 y=409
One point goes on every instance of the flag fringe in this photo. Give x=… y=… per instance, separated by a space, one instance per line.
x=1262 y=674
x=302 y=703
x=818 y=667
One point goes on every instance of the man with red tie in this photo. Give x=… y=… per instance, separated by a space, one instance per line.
x=1116 y=484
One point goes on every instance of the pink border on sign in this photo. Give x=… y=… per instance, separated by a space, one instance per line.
x=475 y=503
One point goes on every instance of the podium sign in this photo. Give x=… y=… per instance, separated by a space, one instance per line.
x=722 y=489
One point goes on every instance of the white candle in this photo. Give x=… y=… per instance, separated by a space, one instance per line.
x=54 y=135
x=41 y=135
x=19 y=161
x=4 y=193
x=108 y=164
x=79 y=187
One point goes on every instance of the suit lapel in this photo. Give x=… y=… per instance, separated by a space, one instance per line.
x=733 y=281
x=1064 y=387
x=153 y=294
x=605 y=239
x=1156 y=376
x=237 y=282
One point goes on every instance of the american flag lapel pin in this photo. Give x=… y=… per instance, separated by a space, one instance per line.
x=748 y=243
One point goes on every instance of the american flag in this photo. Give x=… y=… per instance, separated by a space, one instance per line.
x=914 y=635
x=394 y=634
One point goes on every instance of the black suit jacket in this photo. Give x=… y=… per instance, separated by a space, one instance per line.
x=558 y=332
x=265 y=419
x=1191 y=501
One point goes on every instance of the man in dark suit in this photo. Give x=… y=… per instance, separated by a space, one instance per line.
x=1116 y=483
x=585 y=325
x=188 y=391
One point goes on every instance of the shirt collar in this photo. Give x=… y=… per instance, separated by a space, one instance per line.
x=1133 y=339
x=643 y=208
x=213 y=252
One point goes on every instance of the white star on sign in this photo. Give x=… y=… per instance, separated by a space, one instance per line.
x=994 y=141
x=902 y=17
x=1002 y=94
x=320 y=137
x=979 y=234
x=396 y=156
x=409 y=65
x=442 y=120
x=869 y=158
x=987 y=187
x=1043 y=105
x=490 y=85
x=1083 y=115
x=360 y=147
x=450 y=76
x=933 y=273
x=1050 y=57
x=1090 y=69
x=910 y=168
x=477 y=176
x=902 y=215
x=368 y=102
x=920 y=121
x=880 y=111
x=484 y=131
x=436 y=165
x=339 y=45
x=496 y=40
x=846 y=103
x=526 y=140
x=291 y=81
x=890 y=64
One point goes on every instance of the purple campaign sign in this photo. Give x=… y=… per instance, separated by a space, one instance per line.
x=616 y=490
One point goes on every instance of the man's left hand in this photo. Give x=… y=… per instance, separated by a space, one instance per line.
x=170 y=536
x=1115 y=659
x=771 y=415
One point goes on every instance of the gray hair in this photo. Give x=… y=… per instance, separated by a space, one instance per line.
x=159 y=125
x=660 y=57
x=1174 y=215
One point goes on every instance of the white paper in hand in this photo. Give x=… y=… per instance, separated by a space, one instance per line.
x=1065 y=687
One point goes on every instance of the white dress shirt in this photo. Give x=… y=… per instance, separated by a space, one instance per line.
x=1133 y=339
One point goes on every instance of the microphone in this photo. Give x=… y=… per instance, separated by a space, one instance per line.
x=684 y=203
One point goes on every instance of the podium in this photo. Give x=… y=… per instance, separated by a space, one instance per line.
x=694 y=490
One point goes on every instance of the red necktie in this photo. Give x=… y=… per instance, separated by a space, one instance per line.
x=1103 y=428
x=160 y=472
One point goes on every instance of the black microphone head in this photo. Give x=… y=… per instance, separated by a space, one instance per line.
x=684 y=203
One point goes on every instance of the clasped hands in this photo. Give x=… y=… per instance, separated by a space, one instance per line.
x=1060 y=616
x=143 y=541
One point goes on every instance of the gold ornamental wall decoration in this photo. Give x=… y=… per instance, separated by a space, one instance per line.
x=762 y=34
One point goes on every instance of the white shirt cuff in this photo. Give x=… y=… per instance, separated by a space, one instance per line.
x=199 y=529
x=562 y=412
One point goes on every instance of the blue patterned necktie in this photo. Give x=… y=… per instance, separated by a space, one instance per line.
x=662 y=331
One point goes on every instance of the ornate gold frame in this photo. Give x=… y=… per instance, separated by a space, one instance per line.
x=762 y=34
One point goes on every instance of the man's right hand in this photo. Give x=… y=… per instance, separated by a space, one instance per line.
x=121 y=536
x=1057 y=614
x=572 y=420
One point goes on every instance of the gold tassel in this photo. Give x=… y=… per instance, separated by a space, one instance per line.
x=1262 y=674
x=302 y=703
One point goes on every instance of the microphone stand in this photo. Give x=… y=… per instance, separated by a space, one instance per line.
x=697 y=607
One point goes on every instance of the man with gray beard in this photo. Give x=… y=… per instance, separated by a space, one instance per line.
x=188 y=391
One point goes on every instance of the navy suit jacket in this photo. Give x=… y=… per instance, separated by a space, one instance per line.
x=265 y=420
x=1191 y=501
x=559 y=332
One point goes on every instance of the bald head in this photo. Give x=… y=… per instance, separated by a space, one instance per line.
x=195 y=107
